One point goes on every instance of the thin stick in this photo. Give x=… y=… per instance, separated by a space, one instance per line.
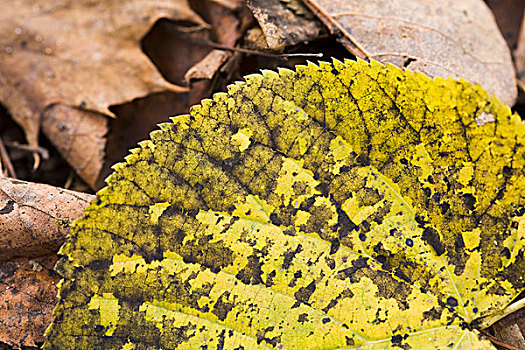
x=37 y=149
x=253 y=52
x=6 y=160
x=497 y=341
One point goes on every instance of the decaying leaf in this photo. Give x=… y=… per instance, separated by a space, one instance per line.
x=71 y=52
x=80 y=136
x=35 y=218
x=285 y=23
x=346 y=205
x=27 y=298
x=439 y=38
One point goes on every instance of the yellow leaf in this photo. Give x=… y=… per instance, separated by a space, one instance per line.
x=339 y=206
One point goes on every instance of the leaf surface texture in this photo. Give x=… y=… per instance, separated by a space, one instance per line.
x=342 y=205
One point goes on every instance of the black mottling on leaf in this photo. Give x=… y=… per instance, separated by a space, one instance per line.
x=304 y=293
x=431 y=236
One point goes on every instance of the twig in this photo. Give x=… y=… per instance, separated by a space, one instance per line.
x=36 y=149
x=497 y=341
x=6 y=160
x=253 y=52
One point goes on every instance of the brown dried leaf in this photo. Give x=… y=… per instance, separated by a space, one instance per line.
x=511 y=329
x=282 y=26
x=439 y=38
x=27 y=299
x=34 y=218
x=208 y=66
x=83 y=54
x=80 y=138
x=227 y=18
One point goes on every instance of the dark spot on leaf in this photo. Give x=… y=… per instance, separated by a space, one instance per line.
x=409 y=242
x=222 y=307
x=252 y=272
x=261 y=336
x=433 y=313
x=397 y=339
x=451 y=301
x=325 y=320
x=323 y=188
x=289 y=255
x=304 y=293
x=470 y=201
x=99 y=265
x=302 y=318
x=330 y=262
x=344 y=224
x=334 y=246
x=9 y=207
x=362 y=237
x=275 y=219
x=269 y=278
x=444 y=207
x=431 y=236
x=289 y=232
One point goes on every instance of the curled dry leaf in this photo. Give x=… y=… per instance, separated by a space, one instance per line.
x=439 y=38
x=78 y=53
x=79 y=136
x=34 y=218
x=283 y=24
x=28 y=289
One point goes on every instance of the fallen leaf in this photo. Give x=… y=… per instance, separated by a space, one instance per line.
x=346 y=205
x=511 y=329
x=35 y=218
x=80 y=137
x=228 y=19
x=28 y=296
x=83 y=54
x=282 y=26
x=439 y=38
